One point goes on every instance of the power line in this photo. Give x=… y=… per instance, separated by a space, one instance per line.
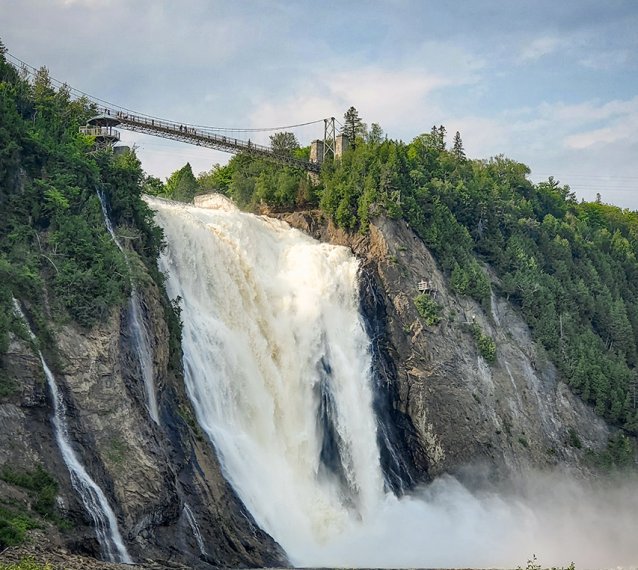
x=588 y=176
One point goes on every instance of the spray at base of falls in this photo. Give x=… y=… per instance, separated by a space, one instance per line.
x=137 y=328
x=277 y=366
x=91 y=495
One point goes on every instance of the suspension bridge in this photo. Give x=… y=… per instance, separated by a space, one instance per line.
x=109 y=116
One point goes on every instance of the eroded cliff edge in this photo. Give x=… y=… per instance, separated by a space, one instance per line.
x=451 y=408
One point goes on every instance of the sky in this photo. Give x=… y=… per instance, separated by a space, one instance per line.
x=552 y=84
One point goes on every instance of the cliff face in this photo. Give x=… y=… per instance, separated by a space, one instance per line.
x=450 y=408
x=148 y=472
x=442 y=408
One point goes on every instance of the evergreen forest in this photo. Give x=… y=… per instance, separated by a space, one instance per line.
x=570 y=266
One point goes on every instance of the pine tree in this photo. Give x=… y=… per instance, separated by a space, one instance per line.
x=442 y=133
x=438 y=137
x=353 y=126
x=457 y=149
x=182 y=184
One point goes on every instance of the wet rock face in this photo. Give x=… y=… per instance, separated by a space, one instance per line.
x=447 y=407
x=147 y=471
x=440 y=407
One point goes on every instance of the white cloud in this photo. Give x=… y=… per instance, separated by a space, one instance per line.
x=540 y=47
x=623 y=129
x=381 y=95
x=399 y=97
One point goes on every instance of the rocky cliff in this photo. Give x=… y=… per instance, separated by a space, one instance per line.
x=152 y=474
x=449 y=408
x=442 y=407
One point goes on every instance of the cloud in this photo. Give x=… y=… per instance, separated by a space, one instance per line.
x=400 y=94
x=391 y=97
x=617 y=132
x=540 y=47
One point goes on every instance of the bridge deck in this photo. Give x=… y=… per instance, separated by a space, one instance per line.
x=201 y=136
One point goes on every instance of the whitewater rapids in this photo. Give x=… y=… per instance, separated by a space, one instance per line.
x=278 y=368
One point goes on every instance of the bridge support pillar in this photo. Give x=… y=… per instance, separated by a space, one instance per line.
x=316 y=151
x=342 y=144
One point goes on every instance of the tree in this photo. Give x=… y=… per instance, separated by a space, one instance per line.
x=182 y=185
x=217 y=179
x=353 y=126
x=375 y=134
x=438 y=136
x=442 y=134
x=284 y=143
x=154 y=186
x=457 y=149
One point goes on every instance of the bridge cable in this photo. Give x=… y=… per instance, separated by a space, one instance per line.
x=79 y=94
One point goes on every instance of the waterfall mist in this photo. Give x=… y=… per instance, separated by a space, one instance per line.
x=278 y=367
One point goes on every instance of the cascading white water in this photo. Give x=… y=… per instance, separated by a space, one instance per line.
x=91 y=495
x=197 y=533
x=277 y=367
x=271 y=319
x=137 y=328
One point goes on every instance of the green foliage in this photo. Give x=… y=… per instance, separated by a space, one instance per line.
x=13 y=527
x=181 y=185
x=485 y=343
x=620 y=454
x=53 y=241
x=429 y=309
x=217 y=179
x=353 y=127
x=25 y=564
x=284 y=143
x=42 y=485
x=573 y=439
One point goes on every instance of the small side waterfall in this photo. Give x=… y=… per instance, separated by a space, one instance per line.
x=195 y=528
x=92 y=496
x=137 y=328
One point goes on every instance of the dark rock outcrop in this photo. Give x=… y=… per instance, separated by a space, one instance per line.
x=445 y=407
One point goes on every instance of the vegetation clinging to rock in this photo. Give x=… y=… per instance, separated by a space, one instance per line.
x=569 y=266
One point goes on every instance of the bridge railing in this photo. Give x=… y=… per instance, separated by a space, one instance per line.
x=108 y=132
x=202 y=136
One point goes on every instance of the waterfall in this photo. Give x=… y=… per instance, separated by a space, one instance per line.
x=137 y=328
x=277 y=366
x=190 y=517
x=91 y=495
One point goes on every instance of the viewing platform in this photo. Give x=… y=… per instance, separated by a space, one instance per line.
x=101 y=127
x=101 y=132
